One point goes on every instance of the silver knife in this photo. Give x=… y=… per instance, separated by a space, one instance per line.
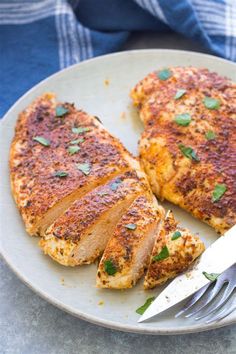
x=216 y=259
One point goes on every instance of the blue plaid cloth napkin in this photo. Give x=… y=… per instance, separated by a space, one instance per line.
x=40 y=37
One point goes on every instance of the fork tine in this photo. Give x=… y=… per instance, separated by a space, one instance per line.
x=225 y=311
x=208 y=298
x=193 y=300
x=227 y=293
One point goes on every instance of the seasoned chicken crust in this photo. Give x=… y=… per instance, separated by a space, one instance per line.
x=187 y=158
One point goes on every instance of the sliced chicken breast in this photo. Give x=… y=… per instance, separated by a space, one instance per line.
x=81 y=233
x=127 y=252
x=174 y=250
x=82 y=191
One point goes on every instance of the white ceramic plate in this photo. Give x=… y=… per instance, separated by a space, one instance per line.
x=101 y=87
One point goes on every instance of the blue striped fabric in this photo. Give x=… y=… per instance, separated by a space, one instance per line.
x=40 y=37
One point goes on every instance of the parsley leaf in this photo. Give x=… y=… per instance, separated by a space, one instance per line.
x=162 y=255
x=131 y=226
x=60 y=174
x=144 y=307
x=218 y=192
x=61 y=111
x=115 y=184
x=84 y=167
x=188 y=152
x=109 y=267
x=183 y=119
x=77 y=141
x=164 y=74
x=176 y=235
x=179 y=93
x=210 y=135
x=211 y=276
x=42 y=140
x=211 y=103
x=80 y=130
x=73 y=149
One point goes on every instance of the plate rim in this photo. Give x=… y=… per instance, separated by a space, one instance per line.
x=78 y=313
x=111 y=324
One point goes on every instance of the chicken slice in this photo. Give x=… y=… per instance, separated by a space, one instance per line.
x=174 y=250
x=58 y=155
x=81 y=233
x=127 y=252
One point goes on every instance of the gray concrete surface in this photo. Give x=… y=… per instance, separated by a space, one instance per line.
x=29 y=325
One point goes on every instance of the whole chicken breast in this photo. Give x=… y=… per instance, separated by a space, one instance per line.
x=188 y=148
x=174 y=250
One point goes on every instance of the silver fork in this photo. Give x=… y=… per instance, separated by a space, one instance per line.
x=215 y=300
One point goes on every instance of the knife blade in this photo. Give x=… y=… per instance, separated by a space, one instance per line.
x=218 y=257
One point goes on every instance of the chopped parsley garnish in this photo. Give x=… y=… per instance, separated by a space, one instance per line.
x=77 y=141
x=61 y=111
x=115 y=184
x=80 y=130
x=164 y=74
x=162 y=255
x=42 y=140
x=210 y=135
x=73 y=149
x=144 y=307
x=211 y=103
x=211 y=276
x=218 y=192
x=188 y=152
x=131 y=226
x=183 y=119
x=60 y=174
x=176 y=235
x=179 y=93
x=84 y=167
x=109 y=267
